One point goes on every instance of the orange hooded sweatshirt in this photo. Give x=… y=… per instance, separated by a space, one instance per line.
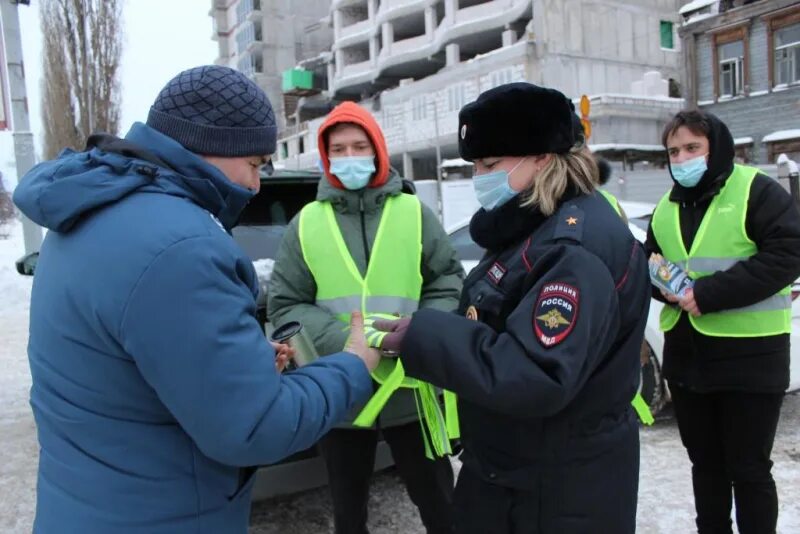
x=353 y=113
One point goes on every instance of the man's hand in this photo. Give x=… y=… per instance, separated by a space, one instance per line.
x=397 y=332
x=672 y=299
x=357 y=343
x=283 y=353
x=688 y=304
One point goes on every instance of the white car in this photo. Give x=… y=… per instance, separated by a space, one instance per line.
x=653 y=388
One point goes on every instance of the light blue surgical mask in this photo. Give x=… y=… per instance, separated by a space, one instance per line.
x=493 y=189
x=689 y=173
x=354 y=172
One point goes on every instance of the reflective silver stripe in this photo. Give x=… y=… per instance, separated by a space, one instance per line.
x=342 y=305
x=710 y=265
x=399 y=305
x=773 y=303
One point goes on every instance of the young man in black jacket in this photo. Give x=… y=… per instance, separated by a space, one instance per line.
x=726 y=345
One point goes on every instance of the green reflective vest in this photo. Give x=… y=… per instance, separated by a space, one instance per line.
x=638 y=402
x=391 y=287
x=720 y=243
x=611 y=200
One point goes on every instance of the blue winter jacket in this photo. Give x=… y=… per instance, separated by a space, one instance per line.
x=152 y=380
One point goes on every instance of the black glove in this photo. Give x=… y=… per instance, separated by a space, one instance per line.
x=396 y=332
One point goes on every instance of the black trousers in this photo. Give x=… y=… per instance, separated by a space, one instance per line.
x=729 y=437
x=350 y=457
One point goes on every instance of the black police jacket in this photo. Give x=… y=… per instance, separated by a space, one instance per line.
x=546 y=374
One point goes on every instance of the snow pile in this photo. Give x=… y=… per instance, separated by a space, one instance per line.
x=15 y=289
x=263 y=269
x=695 y=5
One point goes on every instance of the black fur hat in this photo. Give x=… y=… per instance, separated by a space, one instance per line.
x=516 y=119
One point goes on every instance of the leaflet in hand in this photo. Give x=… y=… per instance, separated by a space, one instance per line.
x=668 y=276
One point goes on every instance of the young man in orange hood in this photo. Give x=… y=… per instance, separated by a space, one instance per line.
x=409 y=264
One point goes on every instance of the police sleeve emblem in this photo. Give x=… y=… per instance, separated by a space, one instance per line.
x=555 y=313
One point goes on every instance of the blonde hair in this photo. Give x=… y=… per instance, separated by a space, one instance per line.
x=577 y=168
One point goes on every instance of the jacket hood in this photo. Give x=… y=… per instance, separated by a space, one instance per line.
x=720 y=165
x=56 y=194
x=353 y=113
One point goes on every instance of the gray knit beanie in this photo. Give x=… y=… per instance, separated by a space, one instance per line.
x=216 y=111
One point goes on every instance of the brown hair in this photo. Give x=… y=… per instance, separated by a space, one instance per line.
x=696 y=121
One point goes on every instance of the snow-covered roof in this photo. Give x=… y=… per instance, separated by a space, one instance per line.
x=625 y=146
x=781 y=135
x=456 y=162
x=695 y=5
x=697 y=17
x=743 y=141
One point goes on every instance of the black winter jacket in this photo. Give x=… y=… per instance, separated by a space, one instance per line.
x=546 y=375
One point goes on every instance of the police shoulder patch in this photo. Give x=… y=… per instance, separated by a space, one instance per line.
x=555 y=312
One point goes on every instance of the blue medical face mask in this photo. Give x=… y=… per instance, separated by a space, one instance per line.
x=689 y=173
x=493 y=189
x=354 y=172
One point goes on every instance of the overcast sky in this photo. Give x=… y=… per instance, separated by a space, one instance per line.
x=162 y=37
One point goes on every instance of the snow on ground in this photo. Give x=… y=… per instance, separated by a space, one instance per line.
x=665 y=493
x=18 y=447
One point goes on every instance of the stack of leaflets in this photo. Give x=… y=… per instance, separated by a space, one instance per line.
x=668 y=276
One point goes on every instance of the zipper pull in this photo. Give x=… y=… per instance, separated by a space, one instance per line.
x=361 y=203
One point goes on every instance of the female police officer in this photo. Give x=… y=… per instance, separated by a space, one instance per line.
x=547 y=359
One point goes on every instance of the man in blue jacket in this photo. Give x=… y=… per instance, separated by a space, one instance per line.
x=153 y=384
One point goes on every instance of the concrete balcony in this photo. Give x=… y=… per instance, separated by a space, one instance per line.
x=634 y=106
x=405 y=51
x=338 y=4
x=475 y=28
x=356 y=72
x=483 y=17
x=355 y=33
x=391 y=9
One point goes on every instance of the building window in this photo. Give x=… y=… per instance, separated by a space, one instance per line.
x=419 y=109
x=455 y=98
x=249 y=64
x=731 y=68
x=245 y=36
x=245 y=64
x=790 y=147
x=245 y=7
x=787 y=55
x=783 y=44
x=730 y=49
x=743 y=150
x=667 y=35
x=501 y=77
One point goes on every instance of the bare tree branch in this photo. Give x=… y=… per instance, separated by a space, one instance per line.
x=81 y=59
